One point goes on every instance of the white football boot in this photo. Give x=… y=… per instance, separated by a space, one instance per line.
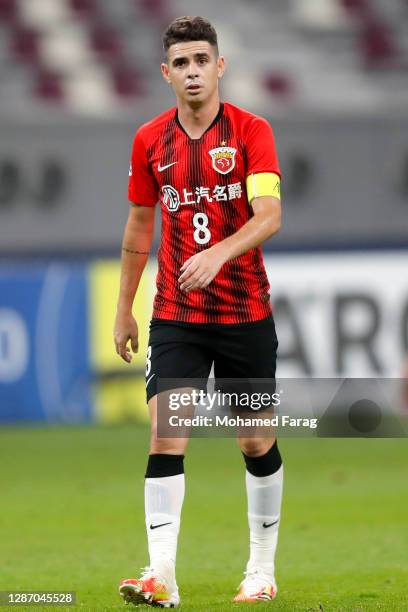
x=256 y=586
x=152 y=588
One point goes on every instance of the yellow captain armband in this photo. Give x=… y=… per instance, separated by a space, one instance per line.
x=263 y=184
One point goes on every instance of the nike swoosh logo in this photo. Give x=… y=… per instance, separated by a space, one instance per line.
x=149 y=379
x=161 y=168
x=266 y=525
x=161 y=525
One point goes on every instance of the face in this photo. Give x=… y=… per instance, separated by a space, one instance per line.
x=193 y=69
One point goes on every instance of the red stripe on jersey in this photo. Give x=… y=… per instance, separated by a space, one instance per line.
x=201 y=187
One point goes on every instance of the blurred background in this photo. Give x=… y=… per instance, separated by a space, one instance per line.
x=78 y=77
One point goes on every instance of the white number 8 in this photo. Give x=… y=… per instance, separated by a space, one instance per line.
x=202 y=234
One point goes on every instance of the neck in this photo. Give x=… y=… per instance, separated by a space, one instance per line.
x=195 y=119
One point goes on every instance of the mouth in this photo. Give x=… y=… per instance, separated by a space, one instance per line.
x=193 y=87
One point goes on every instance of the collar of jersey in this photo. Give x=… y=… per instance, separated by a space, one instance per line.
x=215 y=120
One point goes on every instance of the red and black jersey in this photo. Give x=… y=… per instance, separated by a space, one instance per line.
x=201 y=186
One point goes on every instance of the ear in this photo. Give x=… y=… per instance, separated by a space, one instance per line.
x=165 y=72
x=221 y=66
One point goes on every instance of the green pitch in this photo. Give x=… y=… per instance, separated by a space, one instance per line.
x=71 y=518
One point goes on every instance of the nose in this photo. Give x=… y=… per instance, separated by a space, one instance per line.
x=193 y=72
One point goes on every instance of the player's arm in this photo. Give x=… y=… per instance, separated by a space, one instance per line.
x=264 y=197
x=263 y=225
x=200 y=269
x=137 y=241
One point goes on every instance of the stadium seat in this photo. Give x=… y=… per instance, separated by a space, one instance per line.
x=127 y=81
x=155 y=9
x=25 y=44
x=89 y=91
x=43 y=14
x=8 y=11
x=319 y=14
x=105 y=41
x=66 y=48
x=278 y=84
x=378 y=45
x=357 y=8
x=48 y=86
x=84 y=8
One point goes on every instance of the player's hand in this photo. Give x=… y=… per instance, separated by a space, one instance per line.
x=125 y=329
x=200 y=269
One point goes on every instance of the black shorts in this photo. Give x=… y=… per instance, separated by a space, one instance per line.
x=180 y=350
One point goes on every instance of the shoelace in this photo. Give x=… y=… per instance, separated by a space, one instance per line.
x=256 y=580
x=149 y=572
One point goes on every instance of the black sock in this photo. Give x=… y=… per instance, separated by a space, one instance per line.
x=266 y=464
x=161 y=465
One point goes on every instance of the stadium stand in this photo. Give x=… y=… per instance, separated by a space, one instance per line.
x=96 y=57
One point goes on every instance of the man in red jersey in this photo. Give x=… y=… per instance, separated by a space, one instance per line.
x=213 y=167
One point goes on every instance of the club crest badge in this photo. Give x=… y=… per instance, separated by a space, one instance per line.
x=223 y=159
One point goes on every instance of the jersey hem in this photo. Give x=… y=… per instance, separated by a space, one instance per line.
x=217 y=320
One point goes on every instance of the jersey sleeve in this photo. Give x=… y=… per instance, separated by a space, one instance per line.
x=143 y=188
x=260 y=148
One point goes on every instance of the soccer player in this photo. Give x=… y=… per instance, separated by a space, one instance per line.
x=214 y=169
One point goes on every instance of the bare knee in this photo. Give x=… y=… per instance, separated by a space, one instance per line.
x=166 y=446
x=255 y=447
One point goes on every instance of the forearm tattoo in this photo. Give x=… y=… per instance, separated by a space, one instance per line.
x=135 y=252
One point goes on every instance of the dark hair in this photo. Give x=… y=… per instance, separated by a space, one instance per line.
x=186 y=29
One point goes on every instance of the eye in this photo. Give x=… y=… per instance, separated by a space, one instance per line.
x=179 y=63
x=202 y=60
